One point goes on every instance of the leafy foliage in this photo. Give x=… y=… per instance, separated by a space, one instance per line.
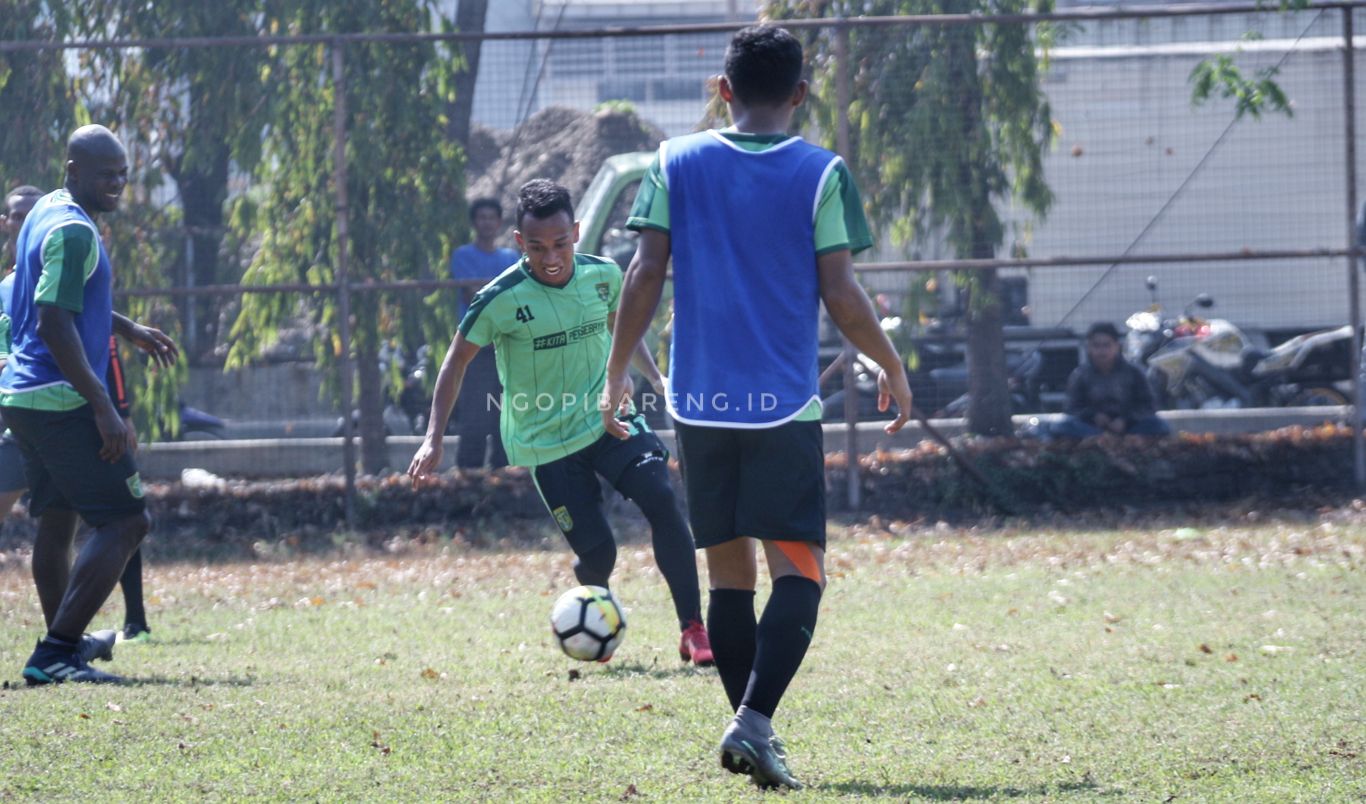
x=947 y=125
x=36 y=83
x=56 y=101
x=405 y=183
x=1220 y=75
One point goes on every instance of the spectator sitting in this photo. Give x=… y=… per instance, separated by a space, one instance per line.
x=1105 y=394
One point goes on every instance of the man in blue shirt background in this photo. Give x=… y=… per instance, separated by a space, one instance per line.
x=476 y=417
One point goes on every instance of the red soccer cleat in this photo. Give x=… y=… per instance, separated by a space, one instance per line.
x=694 y=646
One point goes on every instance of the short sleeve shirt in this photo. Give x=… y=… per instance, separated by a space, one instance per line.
x=551 y=345
x=61 y=263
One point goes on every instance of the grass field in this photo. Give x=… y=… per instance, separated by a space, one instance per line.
x=1214 y=663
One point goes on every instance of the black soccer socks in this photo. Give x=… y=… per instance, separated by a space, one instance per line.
x=731 y=626
x=781 y=640
x=131 y=584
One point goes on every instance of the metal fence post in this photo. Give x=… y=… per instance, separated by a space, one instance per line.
x=851 y=400
x=1349 y=109
x=343 y=210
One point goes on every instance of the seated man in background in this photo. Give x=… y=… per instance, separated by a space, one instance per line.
x=1106 y=394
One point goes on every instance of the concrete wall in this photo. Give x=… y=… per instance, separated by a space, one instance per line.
x=305 y=457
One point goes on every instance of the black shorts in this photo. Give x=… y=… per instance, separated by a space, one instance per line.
x=12 y=476
x=764 y=483
x=569 y=486
x=65 y=472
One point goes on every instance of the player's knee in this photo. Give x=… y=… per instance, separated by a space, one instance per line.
x=135 y=526
x=594 y=566
x=646 y=482
x=732 y=565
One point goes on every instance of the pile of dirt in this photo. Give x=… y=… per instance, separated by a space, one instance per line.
x=565 y=145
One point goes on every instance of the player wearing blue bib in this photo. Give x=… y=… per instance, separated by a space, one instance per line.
x=761 y=227
x=77 y=450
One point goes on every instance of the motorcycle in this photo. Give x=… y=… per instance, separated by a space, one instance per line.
x=1203 y=363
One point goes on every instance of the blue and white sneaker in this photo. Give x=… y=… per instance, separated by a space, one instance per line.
x=98 y=646
x=747 y=751
x=53 y=664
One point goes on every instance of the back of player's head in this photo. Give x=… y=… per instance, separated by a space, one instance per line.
x=763 y=65
x=23 y=191
x=541 y=198
x=485 y=203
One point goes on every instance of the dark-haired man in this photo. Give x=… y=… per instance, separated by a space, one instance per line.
x=18 y=203
x=743 y=384
x=1106 y=394
x=77 y=450
x=476 y=414
x=549 y=318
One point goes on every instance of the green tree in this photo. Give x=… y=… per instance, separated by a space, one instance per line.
x=947 y=123
x=203 y=109
x=405 y=187
x=35 y=82
x=55 y=100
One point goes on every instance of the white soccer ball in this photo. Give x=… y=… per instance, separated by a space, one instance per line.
x=588 y=624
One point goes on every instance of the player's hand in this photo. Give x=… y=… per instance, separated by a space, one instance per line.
x=132 y=434
x=616 y=396
x=426 y=461
x=113 y=435
x=155 y=343
x=894 y=387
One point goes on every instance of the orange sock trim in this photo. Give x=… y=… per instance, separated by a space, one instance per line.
x=803 y=557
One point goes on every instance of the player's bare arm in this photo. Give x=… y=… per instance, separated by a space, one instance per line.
x=640 y=294
x=151 y=340
x=448 y=381
x=57 y=329
x=852 y=311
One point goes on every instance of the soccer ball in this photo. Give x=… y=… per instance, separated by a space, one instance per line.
x=588 y=624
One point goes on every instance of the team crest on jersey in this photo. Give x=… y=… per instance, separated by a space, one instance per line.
x=604 y=290
x=135 y=486
x=563 y=519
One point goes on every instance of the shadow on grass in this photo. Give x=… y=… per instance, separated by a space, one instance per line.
x=954 y=792
x=655 y=670
x=191 y=682
x=140 y=681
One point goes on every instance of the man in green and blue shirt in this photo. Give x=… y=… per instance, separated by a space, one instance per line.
x=761 y=227
x=549 y=318
x=77 y=449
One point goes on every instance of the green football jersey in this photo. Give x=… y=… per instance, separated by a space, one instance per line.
x=551 y=345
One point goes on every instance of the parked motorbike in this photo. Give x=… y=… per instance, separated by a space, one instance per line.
x=1194 y=362
x=194 y=420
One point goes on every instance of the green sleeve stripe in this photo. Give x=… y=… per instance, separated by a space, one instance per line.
x=4 y=335
x=637 y=224
x=483 y=298
x=855 y=222
x=70 y=256
x=840 y=222
x=651 y=209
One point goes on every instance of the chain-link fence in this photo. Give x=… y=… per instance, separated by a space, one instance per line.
x=322 y=284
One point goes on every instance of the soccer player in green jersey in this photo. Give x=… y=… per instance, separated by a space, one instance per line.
x=760 y=227
x=549 y=319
